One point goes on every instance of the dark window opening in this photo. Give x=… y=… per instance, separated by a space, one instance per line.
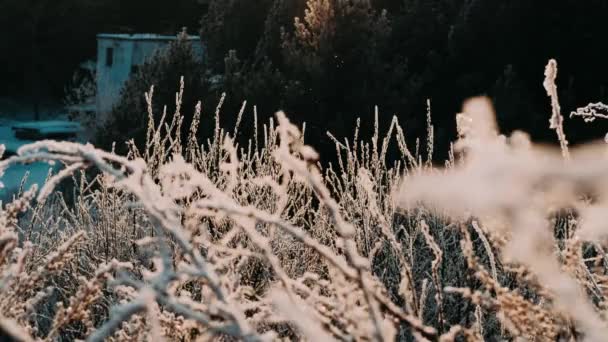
x=109 y=57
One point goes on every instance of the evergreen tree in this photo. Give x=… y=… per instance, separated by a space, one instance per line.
x=129 y=116
x=339 y=58
x=336 y=63
x=232 y=25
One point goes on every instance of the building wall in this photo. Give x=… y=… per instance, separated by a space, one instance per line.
x=128 y=51
x=110 y=79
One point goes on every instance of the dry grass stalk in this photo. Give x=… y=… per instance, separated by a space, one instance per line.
x=259 y=242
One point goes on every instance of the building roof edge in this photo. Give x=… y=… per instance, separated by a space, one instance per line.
x=140 y=36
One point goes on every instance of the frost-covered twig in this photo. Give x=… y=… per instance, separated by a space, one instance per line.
x=557 y=120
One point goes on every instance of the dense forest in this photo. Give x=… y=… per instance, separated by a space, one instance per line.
x=328 y=62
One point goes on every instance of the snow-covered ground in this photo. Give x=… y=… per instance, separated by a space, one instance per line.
x=14 y=176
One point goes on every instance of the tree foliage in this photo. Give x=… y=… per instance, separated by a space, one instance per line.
x=232 y=24
x=327 y=60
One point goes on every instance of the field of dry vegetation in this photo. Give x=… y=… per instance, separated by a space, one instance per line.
x=197 y=241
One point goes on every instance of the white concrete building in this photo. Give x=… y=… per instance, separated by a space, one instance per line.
x=119 y=55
